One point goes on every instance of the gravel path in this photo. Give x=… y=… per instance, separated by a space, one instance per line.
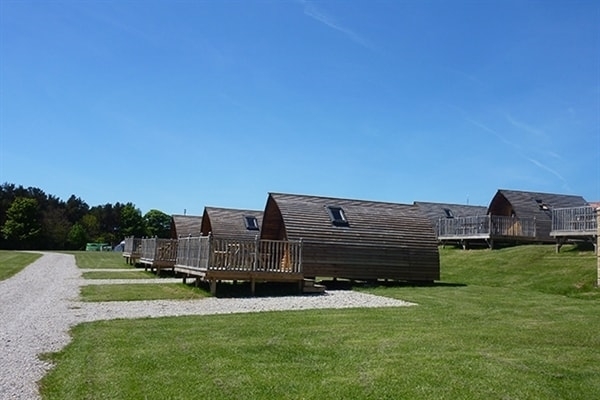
x=39 y=305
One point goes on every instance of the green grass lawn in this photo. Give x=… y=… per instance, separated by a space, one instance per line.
x=516 y=323
x=132 y=292
x=99 y=259
x=133 y=274
x=11 y=262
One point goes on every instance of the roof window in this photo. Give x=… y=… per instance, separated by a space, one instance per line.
x=449 y=213
x=542 y=205
x=337 y=216
x=251 y=222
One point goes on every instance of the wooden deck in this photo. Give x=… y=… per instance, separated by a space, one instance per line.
x=213 y=260
x=574 y=224
x=132 y=250
x=158 y=254
x=486 y=228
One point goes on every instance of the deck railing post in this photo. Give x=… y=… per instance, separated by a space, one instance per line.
x=255 y=265
x=210 y=258
x=598 y=243
x=300 y=256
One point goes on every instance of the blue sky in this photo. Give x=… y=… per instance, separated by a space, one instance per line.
x=180 y=105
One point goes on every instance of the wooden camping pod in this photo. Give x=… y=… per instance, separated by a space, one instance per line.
x=185 y=225
x=355 y=239
x=231 y=223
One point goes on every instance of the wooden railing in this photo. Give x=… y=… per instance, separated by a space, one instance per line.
x=132 y=245
x=573 y=220
x=486 y=226
x=155 y=249
x=208 y=253
x=512 y=227
x=193 y=252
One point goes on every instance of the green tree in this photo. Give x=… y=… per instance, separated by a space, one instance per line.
x=77 y=237
x=132 y=222
x=22 y=227
x=157 y=224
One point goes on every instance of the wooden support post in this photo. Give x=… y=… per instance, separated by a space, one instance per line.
x=253 y=286
x=598 y=243
x=213 y=287
x=184 y=279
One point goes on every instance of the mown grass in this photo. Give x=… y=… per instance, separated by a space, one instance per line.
x=516 y=323
x=133 y=274
x=100 y=259
x=133 y=292
x=11 y=262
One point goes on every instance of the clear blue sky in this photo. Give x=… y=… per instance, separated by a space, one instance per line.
x=181 y=105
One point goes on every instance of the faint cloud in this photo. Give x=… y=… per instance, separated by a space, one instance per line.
x=525 y=127
x=519 y=149
x=313 y=12
x=493 y=132
x=552 y=171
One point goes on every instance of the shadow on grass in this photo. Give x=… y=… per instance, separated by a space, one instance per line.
x=229 y=289
x=578 y=247
x=349 y=285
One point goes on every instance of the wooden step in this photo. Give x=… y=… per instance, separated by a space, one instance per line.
x=310 y=286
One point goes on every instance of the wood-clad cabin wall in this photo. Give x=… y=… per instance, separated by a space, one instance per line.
x=533 y=205
x=382 y=241
x=228 y=223
x=185 y=225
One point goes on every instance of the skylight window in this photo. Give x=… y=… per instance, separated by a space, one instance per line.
x=449 y=213
x=251 y=222
x=337 y=215
x=542 y=205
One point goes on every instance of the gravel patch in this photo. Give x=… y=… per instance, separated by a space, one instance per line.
x=40 y=304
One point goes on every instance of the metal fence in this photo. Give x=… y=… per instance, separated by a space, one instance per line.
x=574 y=220
x=486 y=226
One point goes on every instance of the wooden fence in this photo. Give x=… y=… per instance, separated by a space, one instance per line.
x=206 y=253
x=158 y=253
x=132 y=249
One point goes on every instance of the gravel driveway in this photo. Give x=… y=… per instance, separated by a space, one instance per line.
x=40 y=304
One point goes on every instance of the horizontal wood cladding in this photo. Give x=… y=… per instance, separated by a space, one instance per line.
x=185 y=225
x=381 y=241
x=364 y=262
x=227 y=223
x=533 y=205
x=306 y=217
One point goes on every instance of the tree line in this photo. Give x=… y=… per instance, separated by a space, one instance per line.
x=33 y=220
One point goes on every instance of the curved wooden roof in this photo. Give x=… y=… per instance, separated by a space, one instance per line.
x=229 y=223
x=531 y=204
x=435 y=211
x=185 y=225
x=377 y=223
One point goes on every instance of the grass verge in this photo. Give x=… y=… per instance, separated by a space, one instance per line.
x=11 y=262
x=516 y=323
x=100 y=259
x=133 y=292
x=134 y=274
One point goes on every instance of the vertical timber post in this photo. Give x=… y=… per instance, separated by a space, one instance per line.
x=598 y=243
